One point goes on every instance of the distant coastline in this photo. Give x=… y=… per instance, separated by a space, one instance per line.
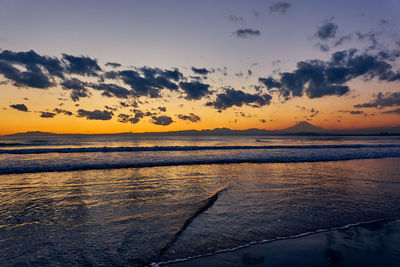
x=302 y=128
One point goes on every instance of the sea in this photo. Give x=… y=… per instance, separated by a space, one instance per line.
x=137 y=200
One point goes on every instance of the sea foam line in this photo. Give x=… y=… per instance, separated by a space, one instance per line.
x=183 y=148
x=33 y=168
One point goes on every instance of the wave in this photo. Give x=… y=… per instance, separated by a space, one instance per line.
x=184 y=148
x=347 y=226
x=135 y=161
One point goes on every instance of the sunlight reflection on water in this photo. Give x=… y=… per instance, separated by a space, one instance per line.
x=126 y=216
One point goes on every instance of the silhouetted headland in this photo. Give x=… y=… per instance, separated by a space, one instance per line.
x=301 y=128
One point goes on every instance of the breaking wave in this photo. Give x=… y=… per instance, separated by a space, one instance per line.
x=184 y=148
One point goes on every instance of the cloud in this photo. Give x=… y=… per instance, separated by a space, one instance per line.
x=343 y=39
x=327 y=31
x=318 y=78
x=95 y=114
x=133 y=104
x=44 y=114
x=113 y=64
x=37 y=70
x=82 y=65
x=148 y=81
x=353 y=112
x=394 y=111
x=124 y=118
x=194 y=90
x=246 y=33
x=232 y=97
x=201 y=71
x=112 y=90
x=162 y=120
x=62 y=111
x=31 y=60
x=382 y=100
x=280 y=7
x=162 y=109
x=191 y=117
x=236 y=19
x=20 y=107
x=78 y=88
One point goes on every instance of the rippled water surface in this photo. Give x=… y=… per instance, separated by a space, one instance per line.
x=134 y=216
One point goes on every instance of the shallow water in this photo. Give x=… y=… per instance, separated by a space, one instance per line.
x=135 y=216
x=128 y=216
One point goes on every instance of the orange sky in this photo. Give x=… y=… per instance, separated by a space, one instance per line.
x=277 y=115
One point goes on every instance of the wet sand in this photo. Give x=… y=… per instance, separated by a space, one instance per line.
x=369 y=244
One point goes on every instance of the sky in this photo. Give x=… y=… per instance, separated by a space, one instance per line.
x=136 y=66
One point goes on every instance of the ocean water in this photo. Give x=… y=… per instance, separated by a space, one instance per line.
x=124 y=201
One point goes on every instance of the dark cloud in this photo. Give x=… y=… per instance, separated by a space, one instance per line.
x=246 y=33
x=113 y=64
x=327 y=31
x=341 y=40
x=162 y=109
x=31 y=60
x=148 y=81
x=73 y=84
x=371 y=37
x=20 y=107
x=161 y=120
x=323 y=47
x=95 y=114
x=262 y=121
x=280 y=7
x=110 y=108
x=232 y=97
x=82 y=65
x=78 y=88
x=201 y=71
x=394 y=111
x=124 y=118
x=353 y=112
x=112 y=90
x=38 y=69
x=194 y=90
x=382 y=100
x=317 y=91
x=191 y=117
x=270 y=82
x=62 y=111
x=44 y=114
x=133 y=104
x=319 y=78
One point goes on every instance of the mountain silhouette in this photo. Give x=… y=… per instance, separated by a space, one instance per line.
x=303 y=127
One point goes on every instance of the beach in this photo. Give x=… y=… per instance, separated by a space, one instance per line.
x=365 y=244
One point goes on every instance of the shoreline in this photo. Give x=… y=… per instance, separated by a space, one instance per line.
x=364 y=243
